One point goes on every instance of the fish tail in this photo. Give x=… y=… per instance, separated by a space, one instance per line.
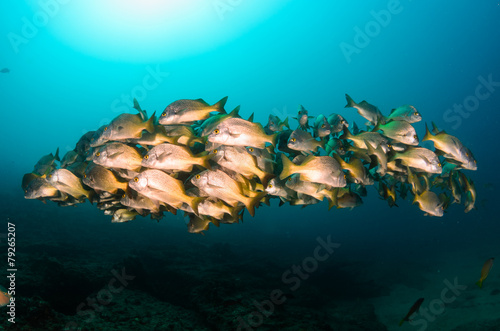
x=265 y=177
x=250 y=203
x=272 y=138
x=195 y=201
x=285 y=123
x=150 y=124
x=203 y=160
x=350 y=102
x=57 y=155
x=332 y=201
x=480 y=283
x=219 y=106
x=428 y=135
x=288 y=167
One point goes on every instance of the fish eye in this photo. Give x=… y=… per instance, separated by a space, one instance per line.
x=323 y=126
x=136 y=179
x=146 y=157
x=289 y=179
x=215 y=151
x=250 y=149
x=439 y=164
x=198 y=176
x=163 y=114
x=270 y=186
x=49 y=176
x=415 y=136
x=97 y=154
x=293 y=140
x=216 y=131
x=106 y=129
x=123 y=195
x=84 y=175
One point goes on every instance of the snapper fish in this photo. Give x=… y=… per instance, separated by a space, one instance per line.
x=187 y=111
x=368 y=111
x=240 y=132
x=405 y=113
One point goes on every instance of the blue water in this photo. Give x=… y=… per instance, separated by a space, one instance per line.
x=438 y=56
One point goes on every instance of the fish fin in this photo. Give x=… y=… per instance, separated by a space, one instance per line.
x=428 y=135
x=479 y=283
x=287 y=167
x=215 y=222
x=235 y=112
x=250 y=203
x=273 y=138
x=142 y=113
x=204 y=160
x=219 y=106
x=350 y=102
x=435 y=129
x=285 y=123
x=265 y=178
x=195 y=201
x=150 y=124
x=57 y=155
x=402 y=321
x=250 y=119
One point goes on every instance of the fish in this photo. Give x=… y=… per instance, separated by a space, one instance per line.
x=414 y=181
x=469 y=191
x=46 y=163
x=69 y=158
x=368 y=111
x=187 y=111
x=139 y=202
x=405 y=113
x=348 y=200
x=451 y=148
x=28 y=178
x=303 y=141
x=238 y=159
x=40 y=188
x=124 y=126
x=413 y=310
x=158 y=136
x=239 y=132
x=119 y=155
x=419 y=158
x=485 y=271
x=303 y=118
x=198 y=224
x=174 y=157
x=361 y=140
x=277 y=187
x=400 y=131
x=356 y=169
x=83 y=144
x=220 y=185
x=183 y=135
x=65 y=181
x=315 y=190
x=264 y=158
x=5 y=70
x=274 y=124
x=211 y=123
x=124 y=215
x=337 y=123
x=454 y=187
x=379 y=159
x=335 y=145
x=429 y=202
x=102 y=179
x=321 y=126
x=157 y=185
x=318 y=169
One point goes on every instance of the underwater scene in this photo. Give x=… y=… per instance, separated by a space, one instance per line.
x=250 y=165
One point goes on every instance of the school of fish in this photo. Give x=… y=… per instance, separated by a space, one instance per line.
x=213 y=164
